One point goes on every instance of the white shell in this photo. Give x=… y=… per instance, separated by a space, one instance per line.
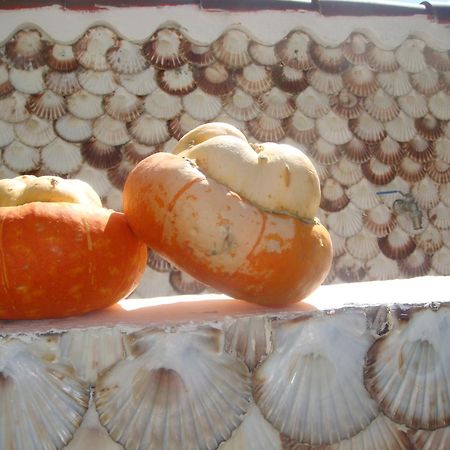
x=355 y=48
x=346 y=222
x=328 y=59
x=97 y=179
x=21 y=158
x=334 y=129
x=407 y=371
x=241 y=106
x=439 y=105
x=444 y=193
x=397 y=244
x=163 y=50
x=62 y=58
x=84 y=105
x=430 y=241
x=377 y=172
x=440 y=262
x=73 y=129
x=327 y=83
x=254 y=79
x=100 y=155
x=202 y=106
x=13 y=108
x=293 y=50
x=410 y=55
x=123 y=106
x=442 y=150
x=263 y=54
x=266 y=129
x=401 y=128
x=309 y=372
x=162 y=105
x=179 y=81
x=27 y=81
x=413 y=104
x=346 y=105
x=98 y=83
x=431 y=440
x=381 y=60
x=358 y=151
x=360 y=80
x=338 y=243
x=363 y=245
x=149 y=131
x=6 y=133
x=47 y=105
x=380 y=220
x=141 y=83
x=276 y=103
x=26 y=49
x=126 y=57
x=439 y=216
x=289 y=79
x=312 y=103
x=324 y=152
x=61 y=157
x=62 y=83
x=363 y=194
x=231 y=48
x=110 y=131
x=417 y=264
x=5 y=85
x=382 y=268
x=301 y=128
x=114 y=200
x=368 y=129
x=182 y=400
x=425 y=193
x=426 y=82
x=381 y=106
x=43 y=396
x=181 y=124
x=389 y=151
x=136 y=152
x=35 y=131
x=348 y=269
x=395 y=83
x=91 y=49
x=346 y=172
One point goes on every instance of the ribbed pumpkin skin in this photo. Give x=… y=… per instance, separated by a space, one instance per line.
x=60 y=259
x=221 y=239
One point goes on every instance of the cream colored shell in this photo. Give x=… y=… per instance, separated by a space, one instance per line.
x=275 y=177
x=28 y=188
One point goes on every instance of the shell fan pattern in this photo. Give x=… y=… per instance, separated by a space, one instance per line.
x=374 y=121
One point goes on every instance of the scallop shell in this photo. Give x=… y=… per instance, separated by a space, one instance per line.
x=355 y=48
x=110 y=131
x=439 y=216
x=294 y=51
x=377 y=172
x=366 y=128
x=5 y=85
x=100 y=155
x=47 y=105
x=425 y=193
x=84 y=105
x=395 y=83
x=338 y=244
x=148 y=130
x=447 y=129
x=410 y=170
x=347 y=221
x=179 y=81
x=202 y=106
x=96 y=178
x=141 y=83
x=262 y=54
x=72 y=129
x=381 y=60
x=410 y=55
x=444 y=78
x=381 y=106
x=363 y=246
x=357 y=151
x=21 y=158
x=413 y=104
x=123 y=106
x=44 y=396
x=241 y=106
x=13 y=108
x=162 y=105
x=255 y=433
x=419 y=149
x=389 y=151
x=328 y=59
x=26 y=50
x=248 y=339
x=324 y=152
x=382 y=268
x=430 y=240
x=61 y=58
x=402 y=128
x=136 y=152
x=289 y=79
x=397 y=244
x=266 y=129
x=158 y=263
x=333 y=196
x=327 y=83
x=91 y=49
x=126 y=57
x=62 y=83
x=181 y=124
x=163 y=50
x=214 y=79
x=406 y=371
x=254 y=79
x=439 y=60
x=312 y=103
x=197 y=54
x=346 y=105
x=334 y=129
x=346 y=172
x=118 y=174
x=431 y=440
x=438 y=170
x=441 y=149
x=99 y=83
x=429 y=127
x=439 y=105
x=444 y=193
x=231 y=48
x=27 y=81
x=61 y=157
x=302 y=129
x=322 y=171
x=349 y=269
x=426 y=82
x=277 y=104
x=180 y=401
x=311 y=351
x=360 y=80
x=35 y=131
x=6 y=133
x=363 y=195
x=440 y=262
x=379 y=220
x=417 y=264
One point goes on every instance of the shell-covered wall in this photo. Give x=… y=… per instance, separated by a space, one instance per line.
x=373 y=378
x=375 y=122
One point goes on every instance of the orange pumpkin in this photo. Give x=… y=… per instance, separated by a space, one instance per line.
x=61 y=252
x=236 y=216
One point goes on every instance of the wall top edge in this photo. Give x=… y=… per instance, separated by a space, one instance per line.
x=139 y=23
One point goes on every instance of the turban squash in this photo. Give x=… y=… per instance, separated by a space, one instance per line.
x=239 y=217
x=61 y=252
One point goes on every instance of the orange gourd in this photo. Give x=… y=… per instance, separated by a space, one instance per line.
x=239 y=217
x=61 y=252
